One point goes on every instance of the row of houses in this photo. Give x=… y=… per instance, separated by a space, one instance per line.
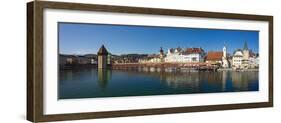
x=241 y=58
x=77 y=59
x=103 y=54
x=179 y=55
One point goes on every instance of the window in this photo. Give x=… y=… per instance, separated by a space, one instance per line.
x=194 y=59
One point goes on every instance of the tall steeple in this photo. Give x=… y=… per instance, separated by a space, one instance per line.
x=224 y=51
x=225 y=62
x=245 y=46
x=161 y=50
x=161 y=54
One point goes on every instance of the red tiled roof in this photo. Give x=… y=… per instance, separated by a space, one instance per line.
x=214 y=56
x=192 y=50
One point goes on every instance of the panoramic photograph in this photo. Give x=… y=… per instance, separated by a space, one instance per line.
x=108 y=60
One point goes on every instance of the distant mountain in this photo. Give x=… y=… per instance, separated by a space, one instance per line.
x=91 y=55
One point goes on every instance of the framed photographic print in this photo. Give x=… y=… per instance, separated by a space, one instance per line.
x=90 y=61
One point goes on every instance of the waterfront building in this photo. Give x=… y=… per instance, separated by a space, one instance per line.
x=176 y=55
x=237 y=59
x=253 y=60
x=67 y=60
x=244 y=59
x=77 y=59
x=154 y=58
x=82 y=60
x=91 y=58
x=214 y=57
x=230 y=57
x=102 y=58
x=185 y=55
x=218 y=57
x=246 y=56
x=225 y=60
x=161 y=55
x=63 y=59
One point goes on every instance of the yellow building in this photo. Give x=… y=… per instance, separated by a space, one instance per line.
x=240 y=58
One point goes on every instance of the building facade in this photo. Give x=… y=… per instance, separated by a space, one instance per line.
x=218 y=57
x=237 y=58
x=225 y=60
x=176 y=55
x=214 y=57
x=154 y=58
x=244 y=59
x=185 y=55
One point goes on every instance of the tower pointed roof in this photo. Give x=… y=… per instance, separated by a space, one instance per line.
x=224 y=44
x=245 y=46
x=102 y=51
x=161 y=50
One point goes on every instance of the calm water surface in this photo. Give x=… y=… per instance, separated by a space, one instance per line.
x=91 y=83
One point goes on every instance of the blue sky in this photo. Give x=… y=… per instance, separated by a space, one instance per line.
x=77 y=38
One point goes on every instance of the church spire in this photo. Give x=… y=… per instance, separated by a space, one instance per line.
x=245 y=46
x=224 y=50
x=161 y=50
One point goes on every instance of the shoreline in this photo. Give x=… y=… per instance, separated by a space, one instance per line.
x=242 y=70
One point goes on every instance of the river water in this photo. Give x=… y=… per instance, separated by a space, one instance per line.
x=93 y=83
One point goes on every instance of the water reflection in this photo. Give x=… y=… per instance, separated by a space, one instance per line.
x=207 y=81
x=104 y=75
x=90 y=83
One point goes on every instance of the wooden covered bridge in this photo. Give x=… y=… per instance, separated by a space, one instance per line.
x=165 y=66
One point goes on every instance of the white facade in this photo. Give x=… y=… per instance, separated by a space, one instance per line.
x=241 y=59
x=237 y=59
x=254 y=62
x=178 y=55
x=184 y=58
x=225 y=62
x=224 y=51
x=151 y=60
x=244 y=59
